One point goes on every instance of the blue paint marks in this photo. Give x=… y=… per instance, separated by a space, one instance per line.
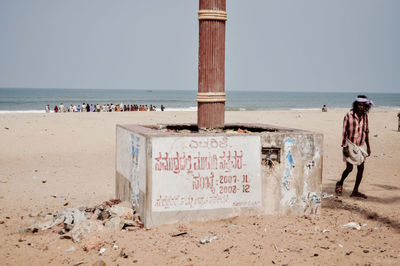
x=314 y=197
x=134 y=148
x=292 y=201
x=312 y=203
x=289 y=157
x=290 y=140
x=289 y=165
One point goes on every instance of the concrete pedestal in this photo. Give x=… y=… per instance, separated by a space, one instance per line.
x=173 y=173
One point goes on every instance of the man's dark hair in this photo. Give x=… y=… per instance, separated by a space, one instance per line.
x=355 y=104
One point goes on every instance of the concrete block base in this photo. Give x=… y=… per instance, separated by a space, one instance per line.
x=173 y=173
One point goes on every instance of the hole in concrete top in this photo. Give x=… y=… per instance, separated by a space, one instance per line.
x=250 y=129
x=226 y=129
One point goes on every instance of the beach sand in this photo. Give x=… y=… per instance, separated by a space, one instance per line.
x=49 y=162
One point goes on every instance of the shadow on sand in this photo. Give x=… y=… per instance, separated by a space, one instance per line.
x=335 y=203
x=386 y=187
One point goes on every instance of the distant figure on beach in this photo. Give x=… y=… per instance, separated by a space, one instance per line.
x=162 y=107
x=324 y=108
x=355 y=136
x=55 y=109
x=61 y=108
x=398 y=115
x=47 y=108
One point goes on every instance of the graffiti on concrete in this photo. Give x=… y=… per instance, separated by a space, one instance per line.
x=289 y=164
x=312 y=203
x=310 y=165
x=134 y=148
x=292 y=201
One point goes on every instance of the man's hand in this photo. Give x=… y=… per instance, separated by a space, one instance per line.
x=346 y=152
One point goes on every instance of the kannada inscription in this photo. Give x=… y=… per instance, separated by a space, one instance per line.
x=192 y=173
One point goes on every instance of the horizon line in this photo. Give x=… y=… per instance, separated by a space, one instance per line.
x=233 y=90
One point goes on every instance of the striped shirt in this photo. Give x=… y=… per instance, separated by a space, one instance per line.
x=355 y=128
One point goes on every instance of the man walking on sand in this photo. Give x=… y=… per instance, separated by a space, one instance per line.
x=355 y=137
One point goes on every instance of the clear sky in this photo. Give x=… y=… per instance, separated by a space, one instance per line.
x=307 y=45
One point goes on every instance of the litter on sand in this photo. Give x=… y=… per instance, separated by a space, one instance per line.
x=353 y=225
x=208 y=239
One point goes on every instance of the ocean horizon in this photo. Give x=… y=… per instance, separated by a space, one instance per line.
x=31 y=100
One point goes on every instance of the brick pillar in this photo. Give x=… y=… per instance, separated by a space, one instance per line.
x=211 y=85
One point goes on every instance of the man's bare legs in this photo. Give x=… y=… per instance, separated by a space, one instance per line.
x=346 y=172
x=360 y=171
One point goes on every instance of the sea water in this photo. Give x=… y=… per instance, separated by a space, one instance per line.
x=35 y=100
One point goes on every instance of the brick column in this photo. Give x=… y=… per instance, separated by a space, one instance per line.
x=211 y=85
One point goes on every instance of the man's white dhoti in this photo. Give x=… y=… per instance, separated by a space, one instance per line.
x=357 y=154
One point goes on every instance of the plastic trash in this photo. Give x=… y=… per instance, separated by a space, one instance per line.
x=102 y=250
x=71 y=249
x=325 y=195
x=208 y=240
x=353 y=225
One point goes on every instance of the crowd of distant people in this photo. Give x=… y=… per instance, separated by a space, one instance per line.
x=86 y=107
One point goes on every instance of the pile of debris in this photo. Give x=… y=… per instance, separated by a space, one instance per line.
x=77 y=223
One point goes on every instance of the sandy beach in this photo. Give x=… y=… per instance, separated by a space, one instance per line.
x=49 y=162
